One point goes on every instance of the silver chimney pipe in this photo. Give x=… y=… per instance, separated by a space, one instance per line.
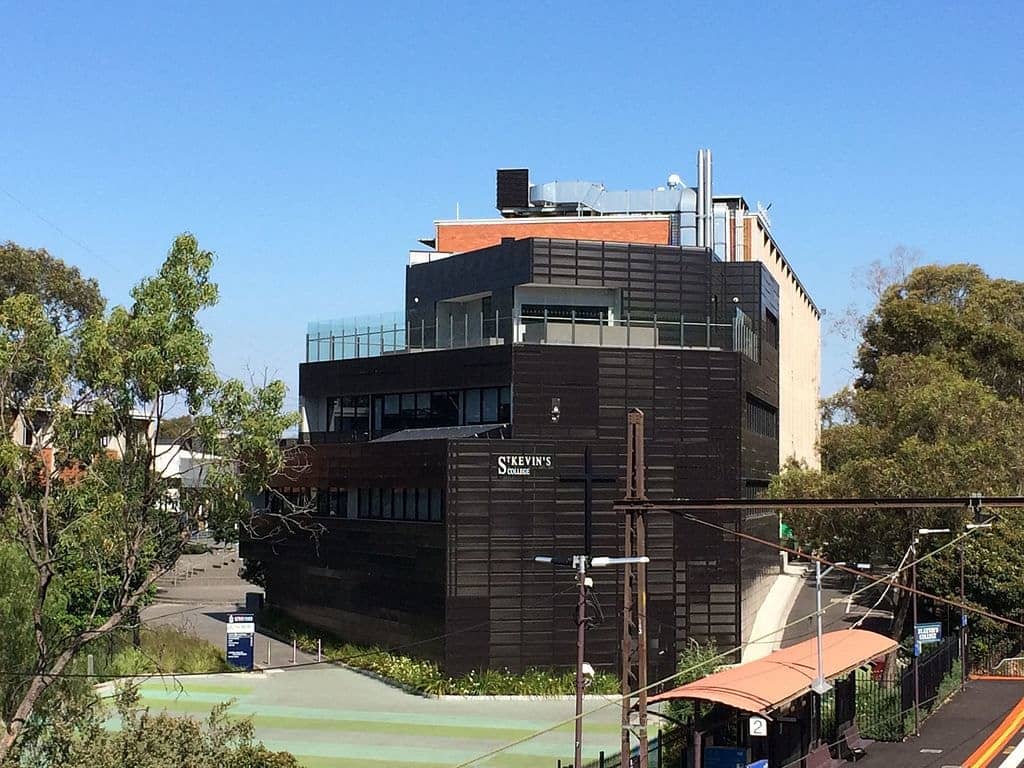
x=700 y=198
x=705 y=201
x=709 y=202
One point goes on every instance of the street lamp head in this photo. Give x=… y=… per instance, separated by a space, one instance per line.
x=927 y=531
x=601 y=562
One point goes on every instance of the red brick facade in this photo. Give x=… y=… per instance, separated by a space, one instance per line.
x=459 y=237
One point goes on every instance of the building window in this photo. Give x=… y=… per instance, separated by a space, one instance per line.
x=489 y=402
x=412 y=504
x=436 y=504
x=472 y=406
x=771 y=329
x=505 y=405
x=761 y=418
x=754 y=489
x=447 y=408
x=534 y=313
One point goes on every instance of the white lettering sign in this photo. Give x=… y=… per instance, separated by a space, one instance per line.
x=523 y=464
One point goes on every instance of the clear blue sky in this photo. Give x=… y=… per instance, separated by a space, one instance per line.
x=311 y=144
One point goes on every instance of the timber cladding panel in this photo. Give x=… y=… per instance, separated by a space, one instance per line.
x=368 y=581
x=504 y=610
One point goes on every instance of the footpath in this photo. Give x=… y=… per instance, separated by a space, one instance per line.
x=953 y=736
x=197 y=598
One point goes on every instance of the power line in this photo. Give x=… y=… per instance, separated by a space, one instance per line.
x=59 y=230
x=616 y=701
x=879 y=580
x=298 y=665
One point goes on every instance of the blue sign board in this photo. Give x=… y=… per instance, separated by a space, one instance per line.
x=725 y=757
x=241 y=631
x=928 y=633
x=759 y=764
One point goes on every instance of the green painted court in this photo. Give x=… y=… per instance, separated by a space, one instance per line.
x=331 y=717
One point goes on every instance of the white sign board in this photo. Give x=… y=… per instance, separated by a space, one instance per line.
x=758 y=726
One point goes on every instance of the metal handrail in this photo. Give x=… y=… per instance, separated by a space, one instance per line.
x=357 y=341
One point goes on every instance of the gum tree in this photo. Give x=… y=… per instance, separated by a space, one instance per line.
x=83 y=506
x=937 y=410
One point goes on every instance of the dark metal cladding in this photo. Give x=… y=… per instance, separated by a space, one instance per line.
x=513 y=188
x=471 y=576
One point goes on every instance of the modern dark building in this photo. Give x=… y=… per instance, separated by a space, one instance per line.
x=437 y=446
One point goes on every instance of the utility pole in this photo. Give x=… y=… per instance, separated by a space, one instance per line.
x=579 y=563
x=634 y=613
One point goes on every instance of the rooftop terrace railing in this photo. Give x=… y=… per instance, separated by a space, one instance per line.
x=375 y=336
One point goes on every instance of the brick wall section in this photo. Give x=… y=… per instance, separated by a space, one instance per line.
x=461 y=237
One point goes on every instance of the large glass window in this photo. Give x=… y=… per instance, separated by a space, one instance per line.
x=444 y=409
x=762 y=418
x=489 y=402
x=423 y=504
x=447 y=408
x=398 y=505
x=505 y=405
x=436 y=504
x=472 y=400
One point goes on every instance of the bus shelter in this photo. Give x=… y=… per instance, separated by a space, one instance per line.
x=766 y=710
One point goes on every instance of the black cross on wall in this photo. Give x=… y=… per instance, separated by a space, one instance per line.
x=588 y=478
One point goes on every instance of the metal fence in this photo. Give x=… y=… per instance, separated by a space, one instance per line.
x=664 y=750
x=885 y=702
x=392 y=333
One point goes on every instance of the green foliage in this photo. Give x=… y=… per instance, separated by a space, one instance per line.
x=879 y=715
x=695 y=662
x=78 y=739
x=85 y=503
x=177 y=427
x=954 y=313
x=937 y=411
x=162 y=650
x=67 y=298
x=424 y=676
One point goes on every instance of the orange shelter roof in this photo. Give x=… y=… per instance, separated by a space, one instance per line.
x=766 y=684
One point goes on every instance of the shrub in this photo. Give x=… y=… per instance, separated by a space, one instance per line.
x=425 y=676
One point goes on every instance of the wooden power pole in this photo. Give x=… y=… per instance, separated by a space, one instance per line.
x=634 y=594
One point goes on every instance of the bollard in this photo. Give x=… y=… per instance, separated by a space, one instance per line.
x=268 y=651
x=319 y=655
x=293 y=651
x=600 y=759
x=90 y=665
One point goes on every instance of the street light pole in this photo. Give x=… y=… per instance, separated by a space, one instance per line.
x=581 y=634
x=820 y=685
x=579 y=563
x=962 y=635
x=917 y=646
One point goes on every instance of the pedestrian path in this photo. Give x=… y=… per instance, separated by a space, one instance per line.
x=951 y=737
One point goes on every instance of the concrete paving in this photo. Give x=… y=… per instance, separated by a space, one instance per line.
x=769 y=625
x=956 y=729
x=333 y=717
x=841 y=611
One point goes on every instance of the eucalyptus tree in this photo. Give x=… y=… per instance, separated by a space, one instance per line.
x=83 y=508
